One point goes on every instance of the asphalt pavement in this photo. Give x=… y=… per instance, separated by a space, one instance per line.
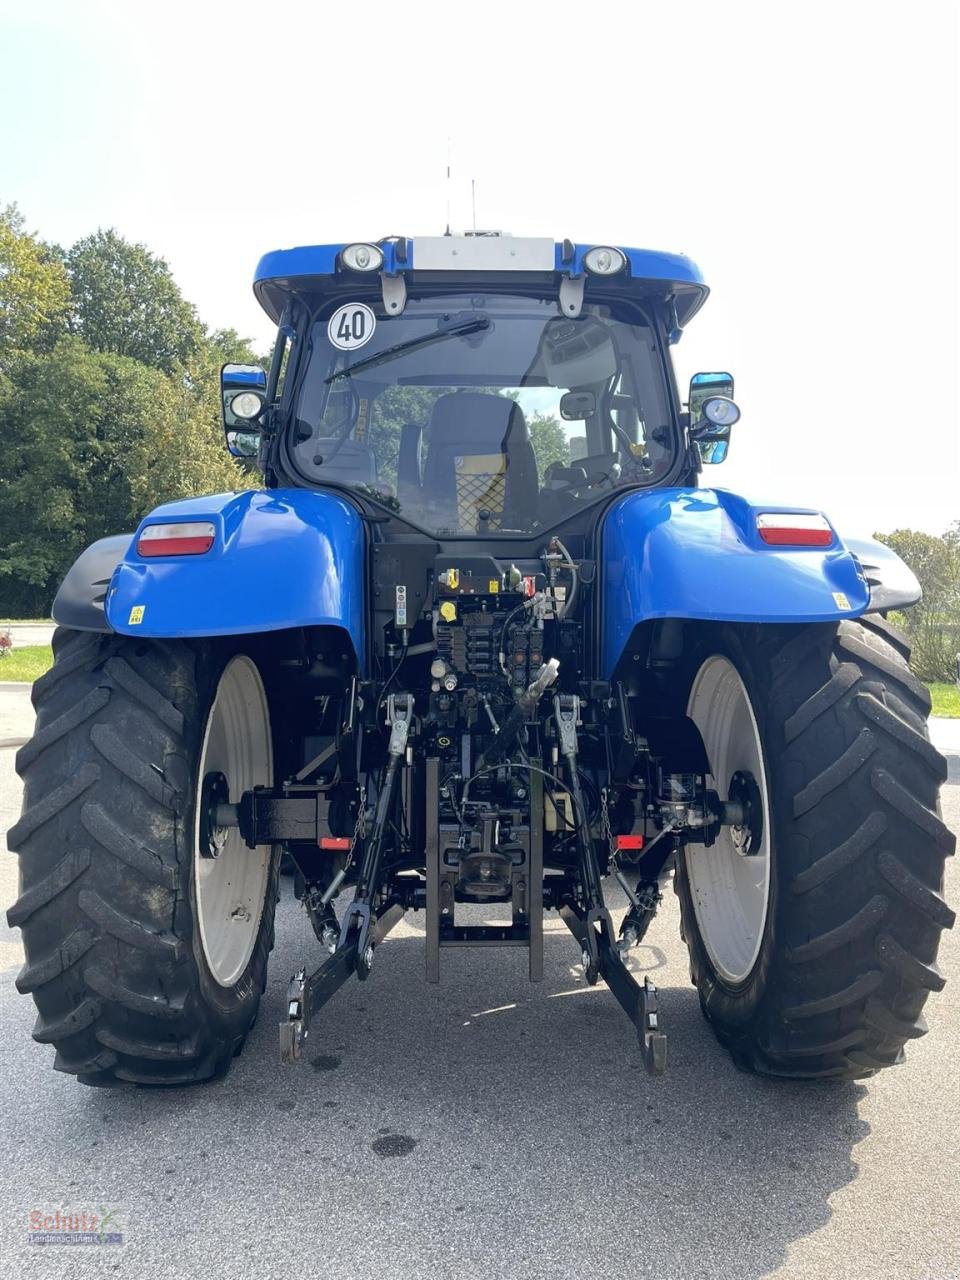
x=486 y=1128
x=16 y=714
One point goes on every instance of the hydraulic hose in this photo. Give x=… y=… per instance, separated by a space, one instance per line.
x=520 y=713
x=574 y=577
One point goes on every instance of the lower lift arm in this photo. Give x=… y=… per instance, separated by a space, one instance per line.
x=367 y=921
x=588 y=919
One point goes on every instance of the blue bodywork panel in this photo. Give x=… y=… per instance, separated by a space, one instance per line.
x=285 y=270
x=281 y=558
x=696 y=553
x=246 y=377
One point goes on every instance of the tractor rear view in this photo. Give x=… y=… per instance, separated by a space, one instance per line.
x=482 y=638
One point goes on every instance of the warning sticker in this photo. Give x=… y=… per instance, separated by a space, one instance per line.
x=351 y=326
x=136 y=615
x=840 y=600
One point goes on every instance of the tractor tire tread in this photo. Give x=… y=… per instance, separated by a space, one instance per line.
x=849 y=956
x=106 y=868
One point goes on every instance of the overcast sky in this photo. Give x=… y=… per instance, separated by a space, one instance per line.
x=805 y=156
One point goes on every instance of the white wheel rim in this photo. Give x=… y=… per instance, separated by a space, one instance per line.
x=731 y=892
x=231 y=889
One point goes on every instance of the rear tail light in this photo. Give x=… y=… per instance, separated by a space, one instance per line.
x=191 y=539
x=337 y=844
x=625 y=843
x=787 y=529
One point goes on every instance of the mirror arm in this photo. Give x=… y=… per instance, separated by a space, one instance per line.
x=701 y=429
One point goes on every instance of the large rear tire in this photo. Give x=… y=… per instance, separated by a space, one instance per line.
x=145 y=961
x=814 y=956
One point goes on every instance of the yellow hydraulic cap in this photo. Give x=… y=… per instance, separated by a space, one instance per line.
x=448 y=611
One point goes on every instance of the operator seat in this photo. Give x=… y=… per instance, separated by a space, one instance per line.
x=479 y=456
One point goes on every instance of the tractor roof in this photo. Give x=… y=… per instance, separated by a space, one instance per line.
x=318 y=269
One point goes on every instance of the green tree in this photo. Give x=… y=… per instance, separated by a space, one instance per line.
x=126 y=301
x=393 y=407
x=549 y=441
x=933 y=625
x=92 y=442
x=34 y=288
x=227 y=347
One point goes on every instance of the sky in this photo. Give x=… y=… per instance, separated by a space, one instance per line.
x=805 y=155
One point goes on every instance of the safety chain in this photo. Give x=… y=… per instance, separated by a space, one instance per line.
x=358 y=825
x=605 y=829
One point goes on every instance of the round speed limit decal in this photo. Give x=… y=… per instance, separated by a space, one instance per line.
x=351 y=326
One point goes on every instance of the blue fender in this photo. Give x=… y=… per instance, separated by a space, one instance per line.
x=696 y=553
x=283 y=558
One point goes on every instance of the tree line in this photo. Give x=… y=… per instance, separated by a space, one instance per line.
x=109 y=401
x=933 y=625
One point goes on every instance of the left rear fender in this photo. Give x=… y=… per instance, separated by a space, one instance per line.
x=281 y=558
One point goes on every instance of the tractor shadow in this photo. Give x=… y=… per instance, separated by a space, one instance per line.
x=499 y=1128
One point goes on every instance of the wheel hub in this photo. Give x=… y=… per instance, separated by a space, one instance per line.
x=214 y=791
x=746 y=808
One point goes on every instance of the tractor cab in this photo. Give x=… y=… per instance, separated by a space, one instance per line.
x=473 y=386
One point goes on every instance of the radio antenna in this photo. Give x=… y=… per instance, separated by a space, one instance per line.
x=473 y=198
x=448 y=232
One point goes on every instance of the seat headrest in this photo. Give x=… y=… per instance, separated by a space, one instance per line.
x=485 y=422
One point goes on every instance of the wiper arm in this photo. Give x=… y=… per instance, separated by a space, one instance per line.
x=454 y=329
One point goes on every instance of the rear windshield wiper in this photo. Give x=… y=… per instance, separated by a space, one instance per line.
x=452 y=329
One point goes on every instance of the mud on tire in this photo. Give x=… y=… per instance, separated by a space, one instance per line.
x=848 y=956
x=106 y=848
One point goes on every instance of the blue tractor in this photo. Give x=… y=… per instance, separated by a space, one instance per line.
x=479 y=642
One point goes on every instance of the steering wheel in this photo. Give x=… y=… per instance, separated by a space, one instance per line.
x=590 y=477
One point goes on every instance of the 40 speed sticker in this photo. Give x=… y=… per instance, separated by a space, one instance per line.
x=351 y=326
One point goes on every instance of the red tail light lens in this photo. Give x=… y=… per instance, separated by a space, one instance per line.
x=191 y=539
x=787 y=529
x=338 y=844
x=629 y=842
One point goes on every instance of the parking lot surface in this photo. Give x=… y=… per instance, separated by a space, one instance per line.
x=486 y=1128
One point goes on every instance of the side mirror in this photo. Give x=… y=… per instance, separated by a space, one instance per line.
x=712 y=415
x=243 y=389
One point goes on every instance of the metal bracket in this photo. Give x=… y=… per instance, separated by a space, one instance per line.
x=571 y=295
x=394 y=290
x=307 y=994
x=292 y=1030
x=653 y=1043
x=566 y=709
x=399 y=711
x=638 y=1002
